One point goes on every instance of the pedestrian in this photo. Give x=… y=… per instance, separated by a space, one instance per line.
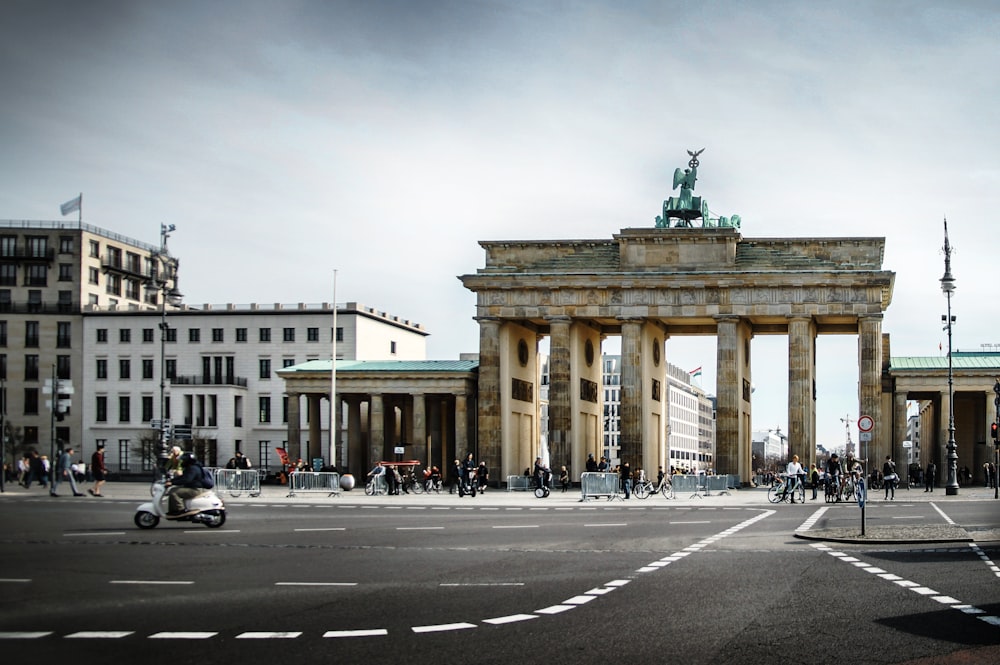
x=591 y=463
x=98 y=469
x=814 y=479
x=792 y=473
x=889 y=477
x=603 y=465
x=64 y=471
x=539 y=473
x=625 y=473
x=929 y=477
x=390 y=480
x=456 y=477
x=482 y=476
x=564 y=478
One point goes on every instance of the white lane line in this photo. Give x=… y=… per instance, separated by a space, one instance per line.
x=942 y=514
x=218 y=531
x=442 y=627
x=808 y=524
x=182 y=635
x=151 y=582
x=578 y=600
x=95 y=533
x=419 y=528
x=608 y=524
x=315 y=584
x=23 y=635
x=15 y=580
x=99 y=634
x=907 y=517
x=329 y=528
x=373 y=632
x=268 y=635
x=692 y=522
x=481 y=584
x=985 y=559
x=554 y=609
x=498 y=621
x=516 y=526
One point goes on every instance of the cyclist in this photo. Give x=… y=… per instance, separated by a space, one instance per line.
x=833 y=472
x=792 y=473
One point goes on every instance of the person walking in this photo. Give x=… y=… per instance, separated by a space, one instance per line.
x=889 y=478
x=929 y=477
x=625 y=473
x=793 y=471
x=814 y=479
x=64 y=471
x=564 y=478
x=98 y=470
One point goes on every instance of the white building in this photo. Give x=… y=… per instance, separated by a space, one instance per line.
x=219 y=363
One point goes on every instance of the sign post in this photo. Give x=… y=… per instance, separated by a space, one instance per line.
x=865 y=426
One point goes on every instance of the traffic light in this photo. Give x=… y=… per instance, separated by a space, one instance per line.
x=995 y=431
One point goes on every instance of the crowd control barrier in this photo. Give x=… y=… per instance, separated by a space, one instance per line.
x=519 y=483
x=237 y=481
x=596 y=484
x=314 y=481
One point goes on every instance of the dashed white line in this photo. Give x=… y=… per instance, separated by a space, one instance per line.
x=329 y=528
x=443 y=627
x=181 y=635
x=15 y=580
x=95 y=533
x=315 y=584
x=268 y=635
x=498 y=621
x=99 y=634
x=372 y=632
x=165 y=582
x=24 y=635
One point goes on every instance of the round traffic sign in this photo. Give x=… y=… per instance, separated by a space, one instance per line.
x=866 y=423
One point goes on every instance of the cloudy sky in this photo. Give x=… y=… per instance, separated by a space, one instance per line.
x=384 y=139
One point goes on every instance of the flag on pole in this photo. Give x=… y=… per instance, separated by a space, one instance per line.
x=695 y=372
x=71 y=206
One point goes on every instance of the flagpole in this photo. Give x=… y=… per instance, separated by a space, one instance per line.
x=79 y=216
x=333 y=380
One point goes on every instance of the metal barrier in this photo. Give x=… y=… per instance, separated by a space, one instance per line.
x=717 y=484
x=314 y=481
x=237 y=481
x=519 y=483
x=685 y=485
x=594 y=484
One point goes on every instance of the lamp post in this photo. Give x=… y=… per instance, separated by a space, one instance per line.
x=160 y=278
x=948 y=286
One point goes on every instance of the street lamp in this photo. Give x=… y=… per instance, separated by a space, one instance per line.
x=948 y=286
x=163 y=281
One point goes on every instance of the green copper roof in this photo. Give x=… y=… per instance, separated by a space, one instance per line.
x=346 y=366
x=970 y=360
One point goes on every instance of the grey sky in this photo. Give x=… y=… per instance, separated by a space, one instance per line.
x=384 y=139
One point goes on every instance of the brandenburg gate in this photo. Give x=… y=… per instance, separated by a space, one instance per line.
x=690 y=274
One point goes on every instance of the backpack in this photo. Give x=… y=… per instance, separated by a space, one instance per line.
x=207 y=478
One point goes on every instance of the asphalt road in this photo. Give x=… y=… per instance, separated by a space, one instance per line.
x=496 y=580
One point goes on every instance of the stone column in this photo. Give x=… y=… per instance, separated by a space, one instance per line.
x=376 y=429
x=294 y=427
x=418 y=425
x=315 y=428
x=870 y=374
x=462 y=435
x=802 y=389
x=940 y=447
x=560 y=416
x=632 y=391
x=488 y=429
x=732 y=447
x=897 y=451
x=355 y=460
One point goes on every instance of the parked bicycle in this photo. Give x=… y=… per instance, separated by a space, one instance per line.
x=779 y=491
x=644 y=488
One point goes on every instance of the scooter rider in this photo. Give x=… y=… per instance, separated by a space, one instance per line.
x=185 y=486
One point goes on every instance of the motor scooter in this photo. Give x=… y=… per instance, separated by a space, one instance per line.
x=206 y=508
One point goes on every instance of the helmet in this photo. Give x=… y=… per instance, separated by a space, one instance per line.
x=188 y=458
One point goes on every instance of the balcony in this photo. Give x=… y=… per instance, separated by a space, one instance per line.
x=238 y=381
x=39 y=308
x=25 y=255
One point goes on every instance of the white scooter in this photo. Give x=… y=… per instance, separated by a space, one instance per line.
x=206 y=508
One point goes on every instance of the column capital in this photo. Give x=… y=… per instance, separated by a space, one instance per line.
x=558 y=318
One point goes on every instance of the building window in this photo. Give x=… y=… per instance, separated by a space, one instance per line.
x=287 y=362
x=8 y=274
x=5 y=302
x=102 y=335
x=288 y=334
x=194 y=334
x=392 y=348
x=95 y=249
x=3 y=333
x=124 y=368
x=31 y=401
x=31 y=334
x=93 y=275
x=65 y=272
x=65 y=301
x=63 y=368
x=64 y=334
x=114 y=286
x=102 y=368
x=263 y=454
x=123 y=409
x=217 y=335
x=8 y=246
x=34 y=300
x=147 y=335
x=265 y=368
x=102 y=409
x=147 y=408
x=114 y=257
x=171 y=334
x=147 y=368
x=65 y=244
x=170 y=368
x=132 y=289
x=265 y=335
x=340 y=334
x=312 y=334
x=3 y=375
x=241 y=334
x=37 y=274
x=38 y=247
x=125 y=335
x=31 y=367
x=265 y=409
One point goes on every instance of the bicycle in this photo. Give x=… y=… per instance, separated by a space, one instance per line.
x=643 y=489
x=778 y=492
x=376 y=485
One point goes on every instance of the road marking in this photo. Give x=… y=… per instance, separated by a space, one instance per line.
x=442 y=627
x=498 y=621
x=96 y=533
x=24 y=635
x=419 y=528
x=219 y=531
x=907 y=517
x=609 y=524
x=330 y=528
x=180 y=635
x=315 y=584
x=268 y=635
x=481 y=584
x=151 y=582
x=692 y=522
x=986 y=559
x=517 y=526
x=20 y=580
x=373 y=632
x=99 y=634
x=941 y=513
x=554 y=609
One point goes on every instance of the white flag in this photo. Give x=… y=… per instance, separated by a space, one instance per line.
x=71 y=206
